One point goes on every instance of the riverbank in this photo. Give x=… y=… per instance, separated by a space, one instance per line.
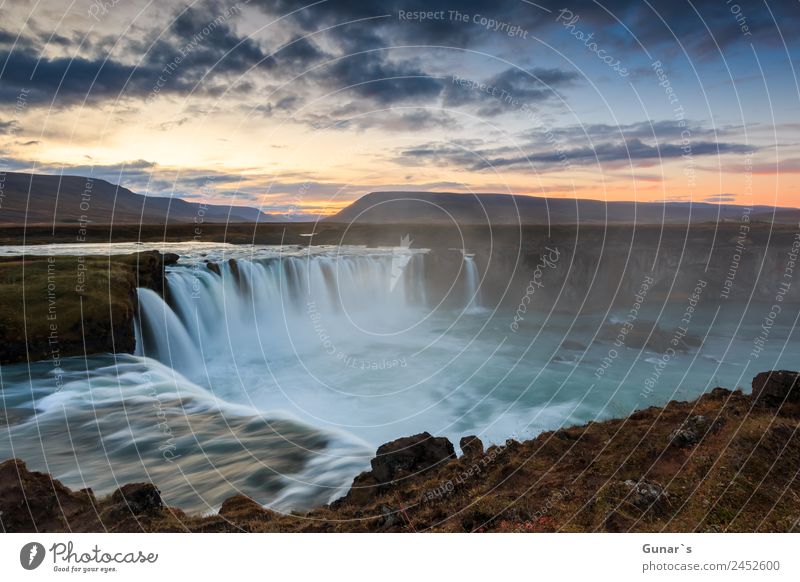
x=726 y=461
x=59 y=306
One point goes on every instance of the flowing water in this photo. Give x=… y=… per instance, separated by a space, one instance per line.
x=280 y=375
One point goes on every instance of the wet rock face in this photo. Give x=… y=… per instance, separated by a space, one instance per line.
x=773 y=388
x=213 y=267
x=409 y=455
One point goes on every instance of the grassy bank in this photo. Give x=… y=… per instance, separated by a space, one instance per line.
x=59 y=306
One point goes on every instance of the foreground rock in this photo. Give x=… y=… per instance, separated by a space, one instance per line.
x=719 y=463
x=34 y=502
x=471 y=446
x=402 y=458
x=777 y=387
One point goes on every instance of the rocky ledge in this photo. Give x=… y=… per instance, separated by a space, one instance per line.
x=727 y=461
x=59 y=306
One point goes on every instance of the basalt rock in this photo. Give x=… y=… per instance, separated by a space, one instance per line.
x=743 y=479
x=776 y=387
x=409 y=455
x=404 y=457
x=213 y=267
x=234 y=265
x=471 y=446
x=138 y=497
x=32 y=501
x=91 y=301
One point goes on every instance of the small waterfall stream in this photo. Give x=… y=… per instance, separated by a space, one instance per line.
x=471 y=285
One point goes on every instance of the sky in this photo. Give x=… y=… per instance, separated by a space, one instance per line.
x=299 y=108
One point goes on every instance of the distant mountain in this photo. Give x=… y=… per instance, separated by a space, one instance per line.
x=69 y=199
x=444 y=207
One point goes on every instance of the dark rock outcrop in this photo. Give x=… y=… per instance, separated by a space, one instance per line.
x=408 y=455
x=234 y=265
x=404 y=457
x=471 y=446
x=137 y=498
x=773 y=388
x=35 y=502
x=213 y=267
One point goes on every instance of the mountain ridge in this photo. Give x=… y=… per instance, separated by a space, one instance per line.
x=480 y=208
x=58 y=199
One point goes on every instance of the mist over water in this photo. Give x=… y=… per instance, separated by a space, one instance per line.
x=280 y=374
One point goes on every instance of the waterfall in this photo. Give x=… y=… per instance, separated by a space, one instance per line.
x=472 y=288
x=162 y=335
x=256 y=308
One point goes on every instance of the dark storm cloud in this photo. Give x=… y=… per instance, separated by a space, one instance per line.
x=69 y=81
x=213 y=52
x=6 y=38
x=199 y=40
x=394 y=120
x=662 y=131
x=201 y=52
x=299 y=54
x=370 y=75
x=525 y=86
x=700 y=25
x=630 y=151
x=388 y=23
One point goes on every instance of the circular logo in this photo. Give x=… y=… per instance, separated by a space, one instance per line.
x=31 y=555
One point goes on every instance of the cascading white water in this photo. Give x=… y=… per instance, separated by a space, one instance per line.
x=160 y=331
x=252 y=305
x=472 y=289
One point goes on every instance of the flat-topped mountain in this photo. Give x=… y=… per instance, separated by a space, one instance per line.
x=44 y=199
x=38 y=199
x=447 y=207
